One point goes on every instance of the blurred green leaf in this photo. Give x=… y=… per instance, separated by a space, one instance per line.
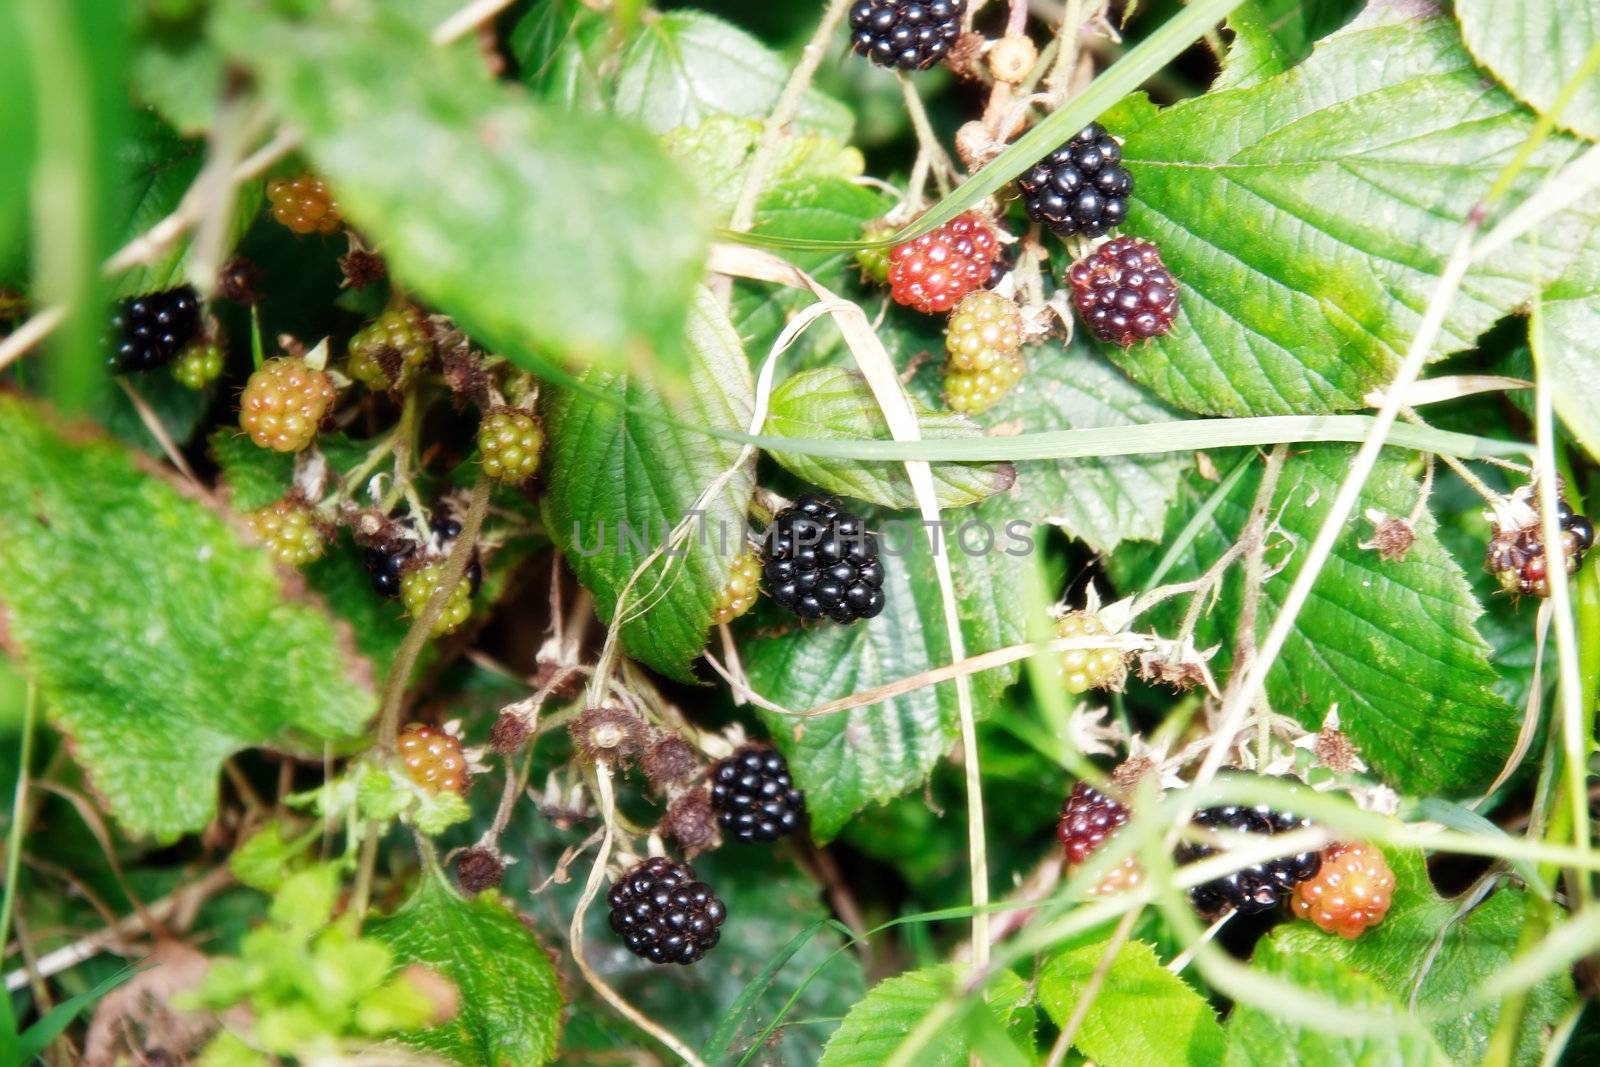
x=880 y=1022
x=558 y=46
x=1536 y=48
x=1307 y=223
x=1393 y=644
x=1143 y=1015
x=1566 y=321
x=617 y=480
x=509 y=996
x=161 y=643
x=542 y=232
x=866 y=755
x=837 y=404
x=718 y=153
x=16 y=161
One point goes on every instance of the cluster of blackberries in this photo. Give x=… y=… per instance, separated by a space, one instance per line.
x=754 y=796
x=150 y=330
x=820 y=561
x=1080 y=188
x=1518 y=560
x=386 y=563
x=1260 y=885
x=905 y=34
x=663 y=914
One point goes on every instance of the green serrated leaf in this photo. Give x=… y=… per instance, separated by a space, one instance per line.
x=867 y=755
x=1393 y=644
x=1143 y=1015
x=1307 y=218
x=687 y=66
x=160 y=642
x=1537 y=48
x=1397 y=955
x=876 y=1026
x=534 y=218
x=1256 y=1037
x=254 y=477
x=616 y=479
x=838 y=405
x=266 y=857
x=718 y=153
x=1272 y=35
x=1566 y=320
x=1102 y=502
x=510 y=999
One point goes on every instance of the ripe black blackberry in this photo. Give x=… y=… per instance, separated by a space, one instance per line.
x=1124 y=292
x=150 y=330
x=754 y=796
x=1260 y=885
x=1088 y=817
x=663 y=914
x=1080 y=188
x=819 y=560
x=908 y=34
x=1518 y=560
x=386 y=563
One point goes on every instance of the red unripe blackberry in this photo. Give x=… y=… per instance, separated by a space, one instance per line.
x=1080 y=188
x=1258 y=886
x=198 y=365
x=820 y=560
x=905 y=34
x=754 y=796
x=1088 y=817
x=932 y=272
x=150 y=330
x=433 y=758
x=663 y=914
x=1518 y=560
x=509 y=443
x=739 y=595
x=389 y=350
x=1123 y=291
x=1350 y=894
x=289 y=529
x=284 y=402
x=304 y=204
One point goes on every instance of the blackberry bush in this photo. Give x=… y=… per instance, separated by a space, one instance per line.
x=663 y=914
x=819 y=560
x=1081 y=188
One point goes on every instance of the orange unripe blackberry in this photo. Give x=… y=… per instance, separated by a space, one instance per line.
x=284 y=402
x=288 y=529
x=433 y=758
x=1350 y=894
x=739 y=595
x=304 y=204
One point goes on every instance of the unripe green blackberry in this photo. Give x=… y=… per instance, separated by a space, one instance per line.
x=388 y=351
x=509 y=443
x=985 y=330
x=974 y=392
x=1083 y=669
x=198 y=365
x=418 y=584
x=288 y=529
x=874 y=261
x=284 y=402
x=739 y=595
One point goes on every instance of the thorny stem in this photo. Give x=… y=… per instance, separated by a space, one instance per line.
x=1255 y=541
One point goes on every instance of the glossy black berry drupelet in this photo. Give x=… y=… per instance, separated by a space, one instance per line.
x=1087 y=818
x=907 y=34
x=1260 y=885
x=386 y=564
x=663 y=914
x=818 y=560
x=1080 y=188
x=1124 y=291
x=754 y=797
x=150 y=330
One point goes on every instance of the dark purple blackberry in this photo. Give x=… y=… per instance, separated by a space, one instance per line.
x=1123 y=291
x=663 y=915
x=754 y=797
x=1259 y=886
x=819 y=560
x=386 y=563
x=907 y=34
x=1080 y=188
x=1005 y=261
x=1517 y=557
x=1087 y=818
x=150 y=330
